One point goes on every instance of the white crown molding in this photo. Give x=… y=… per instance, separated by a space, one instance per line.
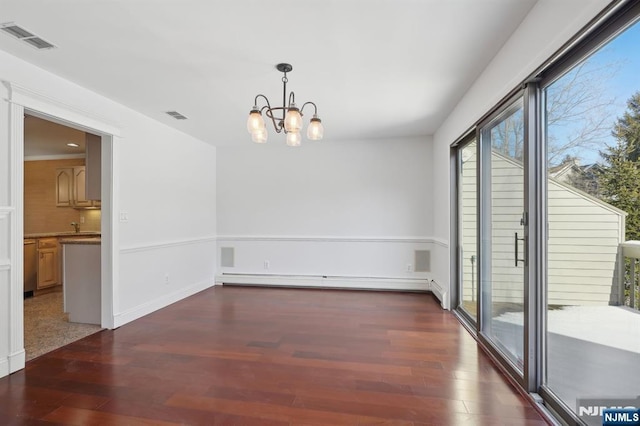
x=33 y=100
x=166 y=244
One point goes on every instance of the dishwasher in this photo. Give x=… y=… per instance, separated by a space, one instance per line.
x=30 y=267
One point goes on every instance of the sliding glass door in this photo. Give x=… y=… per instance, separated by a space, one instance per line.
x=467 y=167
x=548 y=226
x=503 y=254
x=592 y=129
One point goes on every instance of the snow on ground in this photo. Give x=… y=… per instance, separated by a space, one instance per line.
x=614 y=326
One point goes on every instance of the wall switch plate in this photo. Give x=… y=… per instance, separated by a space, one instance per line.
x=124 y=217
x=82 y=219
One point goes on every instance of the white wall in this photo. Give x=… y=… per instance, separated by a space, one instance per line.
x=164 y=180
x=546 y=28
x=352 y=209
x=168 y=190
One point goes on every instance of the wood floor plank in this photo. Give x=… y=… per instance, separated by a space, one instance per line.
x=81 y=417
x=272 y=357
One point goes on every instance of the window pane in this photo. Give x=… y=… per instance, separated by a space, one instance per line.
x=468 y=204
x=593 y=137
x=502 y=253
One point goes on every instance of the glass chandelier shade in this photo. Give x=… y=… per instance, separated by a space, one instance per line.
x=294 y=138
x=286 y=118
x=293 y=119
x=255 y=121
x=315 y=130
x=260 y=135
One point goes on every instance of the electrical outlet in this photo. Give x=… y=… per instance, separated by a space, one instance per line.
x=166 y=278
x=266 y=264
x=409 y=267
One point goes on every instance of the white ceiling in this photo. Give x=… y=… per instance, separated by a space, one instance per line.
x=45 y=138
x=375 y=68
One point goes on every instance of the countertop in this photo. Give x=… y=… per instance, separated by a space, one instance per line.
x=63 y=234
x=89 y=240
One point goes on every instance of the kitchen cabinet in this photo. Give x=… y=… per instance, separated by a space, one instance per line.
x=48 y=262
x=80 y=187
x=71 y=188
x=64 y=187
x=93 y=163
x=82 y=279
x=30 y=265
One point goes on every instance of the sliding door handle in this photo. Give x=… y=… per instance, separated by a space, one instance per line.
x=515 y=244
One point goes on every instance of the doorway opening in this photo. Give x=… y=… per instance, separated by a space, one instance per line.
x=62 y=206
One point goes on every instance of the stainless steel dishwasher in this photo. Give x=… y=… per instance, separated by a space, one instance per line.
x=30 y=266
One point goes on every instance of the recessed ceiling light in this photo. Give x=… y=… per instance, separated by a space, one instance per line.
x=74 y=145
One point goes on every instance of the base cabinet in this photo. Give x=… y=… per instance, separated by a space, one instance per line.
x=82 y=282
x=48 y=261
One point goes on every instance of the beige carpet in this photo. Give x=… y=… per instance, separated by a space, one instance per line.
x=47 y=328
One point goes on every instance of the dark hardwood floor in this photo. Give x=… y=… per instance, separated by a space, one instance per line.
x=263 y=356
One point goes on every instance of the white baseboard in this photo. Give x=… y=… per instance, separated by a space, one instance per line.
x=4 y=367
x=361 y=283
x=17 y=361
x=12 y=363
x=153 y=305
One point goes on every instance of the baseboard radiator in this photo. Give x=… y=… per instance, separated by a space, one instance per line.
x=441 y=293
x=323 y=281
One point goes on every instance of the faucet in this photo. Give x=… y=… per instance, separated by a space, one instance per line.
x=76 y=226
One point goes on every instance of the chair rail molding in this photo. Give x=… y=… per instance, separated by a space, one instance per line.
x=166 y=244
x=329 y=239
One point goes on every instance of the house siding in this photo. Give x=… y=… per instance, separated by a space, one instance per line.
x=584 y=234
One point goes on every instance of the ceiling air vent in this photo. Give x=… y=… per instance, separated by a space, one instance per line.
x=26 y=36
x=176 y=115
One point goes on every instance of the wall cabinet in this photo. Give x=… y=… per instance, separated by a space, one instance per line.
x=48 y=262
x=71 y=188
x=80 y=187
x=93 y=162
x=64 y=187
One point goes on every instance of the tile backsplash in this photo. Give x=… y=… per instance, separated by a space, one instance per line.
x=40 y=211
x=91 y=220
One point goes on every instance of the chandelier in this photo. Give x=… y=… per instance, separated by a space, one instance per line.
x=287 y=119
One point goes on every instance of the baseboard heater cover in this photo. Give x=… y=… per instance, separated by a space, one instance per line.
x=441 y=293
x=319 y=281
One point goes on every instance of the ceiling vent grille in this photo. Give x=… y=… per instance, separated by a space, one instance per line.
x=26 y=36
x=176 y=115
